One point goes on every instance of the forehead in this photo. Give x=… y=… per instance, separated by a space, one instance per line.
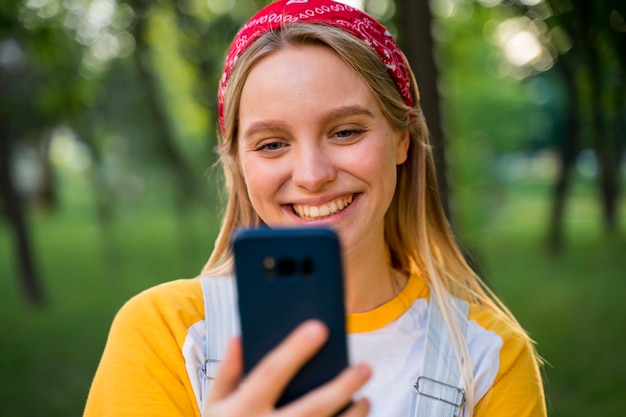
x=300 y=79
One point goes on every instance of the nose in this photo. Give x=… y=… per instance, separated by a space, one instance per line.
x=313 y=168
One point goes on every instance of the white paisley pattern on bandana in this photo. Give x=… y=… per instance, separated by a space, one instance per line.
x=330 y=12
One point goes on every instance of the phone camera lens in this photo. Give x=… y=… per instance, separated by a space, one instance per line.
x=269 y=263
x=286 y=267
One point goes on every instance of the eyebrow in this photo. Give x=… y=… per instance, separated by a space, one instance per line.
x=354 y=110
x=334 y=114
x=263 y=126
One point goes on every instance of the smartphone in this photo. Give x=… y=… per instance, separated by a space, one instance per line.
x=284 y=277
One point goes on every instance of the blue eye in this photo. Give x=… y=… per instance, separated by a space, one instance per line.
x=348 y=133
x=270 y=147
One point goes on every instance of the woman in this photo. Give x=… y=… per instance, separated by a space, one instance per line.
x=321 y=125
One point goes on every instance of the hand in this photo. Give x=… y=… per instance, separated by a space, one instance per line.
x=256 y=396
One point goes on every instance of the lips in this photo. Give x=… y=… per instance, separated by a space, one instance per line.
x=324 y=210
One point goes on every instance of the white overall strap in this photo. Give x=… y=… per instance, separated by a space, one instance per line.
x=437 y=389
x=221 y=323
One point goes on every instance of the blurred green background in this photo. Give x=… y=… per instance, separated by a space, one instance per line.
x=107 y=132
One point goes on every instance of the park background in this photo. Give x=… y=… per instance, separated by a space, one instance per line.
x=109 y=184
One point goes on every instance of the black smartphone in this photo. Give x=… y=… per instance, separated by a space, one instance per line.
x=284 y=277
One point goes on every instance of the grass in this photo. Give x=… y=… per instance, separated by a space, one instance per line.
x=48 y=354
x=572 y=305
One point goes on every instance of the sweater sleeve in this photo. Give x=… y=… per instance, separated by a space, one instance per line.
x=517 y=390
x=142 y=370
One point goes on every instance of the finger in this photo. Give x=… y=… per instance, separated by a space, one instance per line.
x=330 y=398
x=229 y=372
x=359 y=409
x=269 y=378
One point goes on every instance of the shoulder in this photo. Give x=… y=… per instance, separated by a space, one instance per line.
x=182 y=299
x=507 y=374
x=514 y=341
x=177 y=295
x=142 y=371
x=173 y=304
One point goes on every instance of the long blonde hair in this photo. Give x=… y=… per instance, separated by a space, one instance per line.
x=417 y=232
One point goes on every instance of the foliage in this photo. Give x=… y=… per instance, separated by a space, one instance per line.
x=114 y=89
x=585 y=42
x=527 y=77
x=486 y=114
x=480 y=103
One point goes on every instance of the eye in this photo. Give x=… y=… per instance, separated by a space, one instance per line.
x=270 y=147
x=348 y=133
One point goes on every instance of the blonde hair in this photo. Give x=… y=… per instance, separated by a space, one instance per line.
x=417 y=232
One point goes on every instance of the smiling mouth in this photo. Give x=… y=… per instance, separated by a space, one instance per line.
x=324 y=210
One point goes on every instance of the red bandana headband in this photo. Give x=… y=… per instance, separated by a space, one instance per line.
x=329 y=12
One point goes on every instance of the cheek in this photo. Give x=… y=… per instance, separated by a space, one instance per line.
x=252 y=178
x=262 y=179
x=378 y=161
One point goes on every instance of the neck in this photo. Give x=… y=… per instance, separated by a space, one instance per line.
x=370 y=281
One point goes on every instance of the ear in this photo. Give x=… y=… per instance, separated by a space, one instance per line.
x=402 y=148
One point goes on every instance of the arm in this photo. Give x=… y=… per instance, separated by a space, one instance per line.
x=517 y=390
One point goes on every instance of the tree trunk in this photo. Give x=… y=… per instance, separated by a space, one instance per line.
x=605 y=147
x=13 y=209
x=568 y=151
x=610 y=155
x=47 y=195
x=608 y=184
x=414 y=21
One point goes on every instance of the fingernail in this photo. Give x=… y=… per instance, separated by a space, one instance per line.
x=364 y=370
x=365 y=401
x=314 y=329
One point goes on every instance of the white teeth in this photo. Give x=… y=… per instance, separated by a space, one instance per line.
x=324 y=210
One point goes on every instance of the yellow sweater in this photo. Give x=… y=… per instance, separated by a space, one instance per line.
x=151 y=363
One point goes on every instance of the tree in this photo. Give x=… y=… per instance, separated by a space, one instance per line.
x=588 y=42
x=12 y=208
x=415 y=23
x=88 y=68
x=17 y=76
x=593 y=69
